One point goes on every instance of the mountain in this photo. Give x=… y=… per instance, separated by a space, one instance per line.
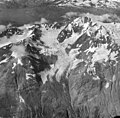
x=88 y=3
x=59 y=70
x=97 y=3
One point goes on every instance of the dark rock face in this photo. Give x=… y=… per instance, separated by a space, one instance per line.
x=68 y=71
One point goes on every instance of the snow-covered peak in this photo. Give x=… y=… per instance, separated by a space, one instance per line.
x=81 y=40
x=97 y=3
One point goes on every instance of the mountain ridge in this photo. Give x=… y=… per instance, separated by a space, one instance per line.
x=89 y=3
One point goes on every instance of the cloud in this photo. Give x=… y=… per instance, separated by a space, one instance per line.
x=70 y=14
x=2 y=28
x=43 y=20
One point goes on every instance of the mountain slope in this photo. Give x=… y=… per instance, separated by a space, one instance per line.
x=59 y=71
